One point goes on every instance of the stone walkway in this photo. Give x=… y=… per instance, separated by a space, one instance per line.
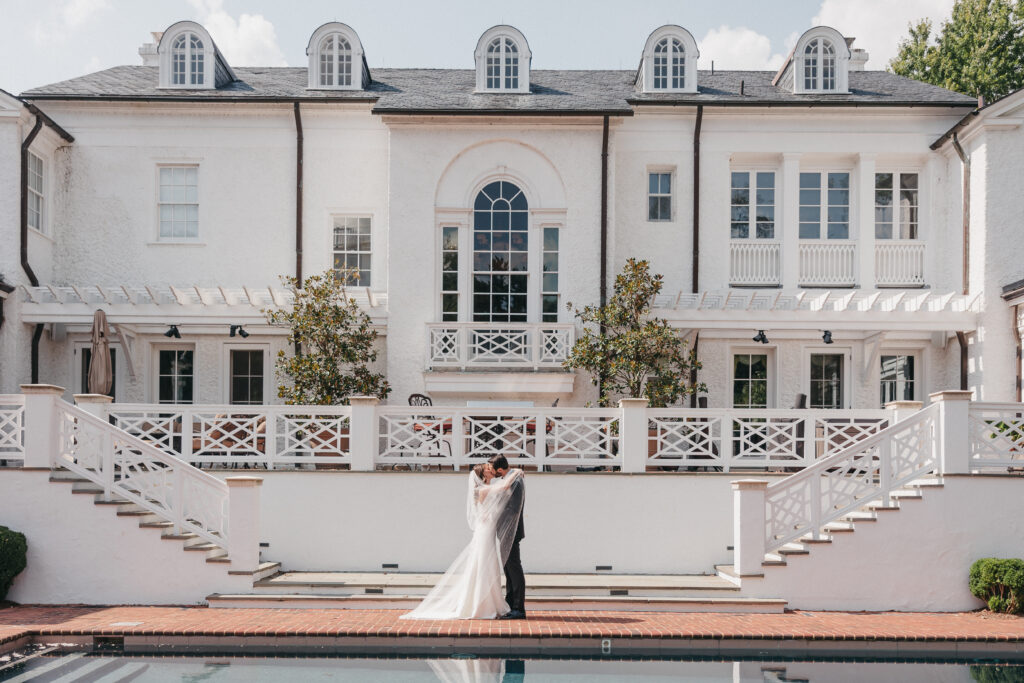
x=375 y=631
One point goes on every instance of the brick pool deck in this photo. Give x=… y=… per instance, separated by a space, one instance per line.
x=199 y=629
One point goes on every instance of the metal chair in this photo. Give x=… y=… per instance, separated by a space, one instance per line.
x=431 y=438
x=420 y=400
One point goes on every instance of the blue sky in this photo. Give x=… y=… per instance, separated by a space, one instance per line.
x=59 y=39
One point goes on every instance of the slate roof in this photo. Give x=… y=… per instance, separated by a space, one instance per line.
x=451 y=91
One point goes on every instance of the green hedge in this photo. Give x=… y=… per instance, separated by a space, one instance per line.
x=13 y=549
x=1000 y=583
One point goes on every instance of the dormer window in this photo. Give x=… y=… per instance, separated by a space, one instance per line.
x=820 y=63
x=670 y=62
x=336 y=59
x=189 y=59
x=503 y=61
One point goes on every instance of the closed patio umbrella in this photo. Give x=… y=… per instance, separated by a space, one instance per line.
x=100 y=374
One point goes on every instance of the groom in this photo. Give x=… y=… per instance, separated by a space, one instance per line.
x=515 y=582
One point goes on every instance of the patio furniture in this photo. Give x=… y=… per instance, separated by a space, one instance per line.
x=431 y=438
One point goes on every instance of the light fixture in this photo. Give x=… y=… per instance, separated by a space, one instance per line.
x=238 y=329
x=172 y=332
x=827 y=337
x=759 y=337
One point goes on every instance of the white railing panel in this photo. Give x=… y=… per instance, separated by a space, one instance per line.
x=139 y=471
x=996 y=435
x=828 y=263
x=12 y=428
x=528 y=345
x=899 y=263
x=755 y=263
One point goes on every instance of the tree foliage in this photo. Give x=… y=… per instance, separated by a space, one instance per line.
x=978 y=51
x=637 y=355
x=336 y=341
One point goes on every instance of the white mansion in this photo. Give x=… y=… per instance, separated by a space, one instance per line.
x=820 y=209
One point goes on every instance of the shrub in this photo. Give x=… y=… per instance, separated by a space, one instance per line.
x=13 y=551
x=997 y=673
x=1000 y=583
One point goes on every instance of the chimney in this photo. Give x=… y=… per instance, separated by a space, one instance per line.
x=148 y=50
x=858 y=58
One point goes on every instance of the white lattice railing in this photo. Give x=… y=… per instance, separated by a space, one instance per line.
x=129 y=467
x=539 y=437
x=828 y=263
x=468 y=345
x=996 y=435
x=261 y=436
x=12 y=427
x=754 y=438
x=870 y=469
x=755 y=263
x=899 y=263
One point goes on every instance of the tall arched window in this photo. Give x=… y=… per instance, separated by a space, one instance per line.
x=500 y=253
x=502 y=64
x=819 y=65
x=187 y=60
x=335 y=62
x=669 y=64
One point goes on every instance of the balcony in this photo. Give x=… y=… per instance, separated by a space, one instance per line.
x=755 y=264
x=827 y=263
x=531 y=346
x=899 y=263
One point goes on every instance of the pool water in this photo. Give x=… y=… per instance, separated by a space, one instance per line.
x=95 y=668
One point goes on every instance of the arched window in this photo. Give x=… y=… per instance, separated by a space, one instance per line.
x=502 y=61
x=500 y=253
x=819 y=65
x=502 y=65
x=187 y=60
x=335 y=62
x=669 y=64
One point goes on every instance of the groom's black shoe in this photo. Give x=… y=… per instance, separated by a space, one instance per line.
x=514 y=614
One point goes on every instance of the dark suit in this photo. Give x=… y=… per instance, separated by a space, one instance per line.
x=515 y=582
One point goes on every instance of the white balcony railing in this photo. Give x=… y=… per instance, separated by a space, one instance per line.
x=899 y=263
x=505 y=345
x=755 y=263
x=828 y=263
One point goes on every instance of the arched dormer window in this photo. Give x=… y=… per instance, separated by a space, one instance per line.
x=336 y=59
x=189 y=59
x=503 y=61
x=821 y=62
x=670 y=61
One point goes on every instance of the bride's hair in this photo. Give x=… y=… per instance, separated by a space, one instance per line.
x=479 y=470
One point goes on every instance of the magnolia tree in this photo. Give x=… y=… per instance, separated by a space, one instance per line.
x=629 y=352
x=334 y=342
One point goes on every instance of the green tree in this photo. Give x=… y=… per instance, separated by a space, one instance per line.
x=978 y=51
x=336 y=341
x=629 y=352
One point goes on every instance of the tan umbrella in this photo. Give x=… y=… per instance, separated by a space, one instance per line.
x=100 y=375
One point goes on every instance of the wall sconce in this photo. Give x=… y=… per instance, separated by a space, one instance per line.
x=827 y=337
x=172 y=332
x=239 y=330
x=759 y=337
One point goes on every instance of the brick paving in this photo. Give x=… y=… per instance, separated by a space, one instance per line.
x=42 y=621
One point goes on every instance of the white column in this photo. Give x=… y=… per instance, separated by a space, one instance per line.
x=954 y=441
x=364 y=430
x=748 y=520
x=94 y=404
x=789 y=228
x=633 y=434
x=864 y=230
x=244 y=522
x=42 y=437
x=901 y=410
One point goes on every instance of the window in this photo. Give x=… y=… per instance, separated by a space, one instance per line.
x=753 y=205
x=352 y=249
x=750 y=380
x=335 y=62
x=826 y=380
x=502 y=64
x=500 y=257
x=894 y=221
x=819 y=65
x=179 y=202
x=187 y=60
x=86 y=359
x=659 y=197
x=175 y=378
x=549 y=288
x=897 y=378
x=246 y=377
x=36 y=193
x=449 y=274
x=825 y=210
x=669 y=65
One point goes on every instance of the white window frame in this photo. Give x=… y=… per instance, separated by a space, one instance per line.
x=39 y=195
x=662 y=170
x=269 y=379
x=841 y=55
x=165 y=50
x=922 y=358
x=752 y=204
x=159 y=203
x=315 y=48
x=897 y=221
x=847 y=379
x=823 y=221
x=334 y=252
x=523 y=55
x=769 y=350
x=690 y=55
x=155 y=373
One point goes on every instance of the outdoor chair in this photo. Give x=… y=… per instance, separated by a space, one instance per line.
x=431 y=438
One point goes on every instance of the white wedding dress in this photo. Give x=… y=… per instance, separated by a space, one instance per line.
x=471 y=588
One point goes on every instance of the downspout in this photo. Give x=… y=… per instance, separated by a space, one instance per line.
x=603 y=285
x=298 y=206
x=1020 y=349
x=696 y=236
x=37 y=335
x=965 y=276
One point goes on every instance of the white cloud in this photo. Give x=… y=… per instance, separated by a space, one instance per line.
x=76 y=12
x=738 y=48
x=879 y=25
x=249 y=40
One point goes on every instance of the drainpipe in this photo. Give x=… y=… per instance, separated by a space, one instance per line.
x=1020 y=349
x=37 y=335
x=603 y=285
x=965 y=276
x=696 y=233
x=298 y=194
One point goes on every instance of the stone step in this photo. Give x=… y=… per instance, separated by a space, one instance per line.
x=264 y=570
x=533 y=602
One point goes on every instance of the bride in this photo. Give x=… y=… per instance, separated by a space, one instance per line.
x=471 y=588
